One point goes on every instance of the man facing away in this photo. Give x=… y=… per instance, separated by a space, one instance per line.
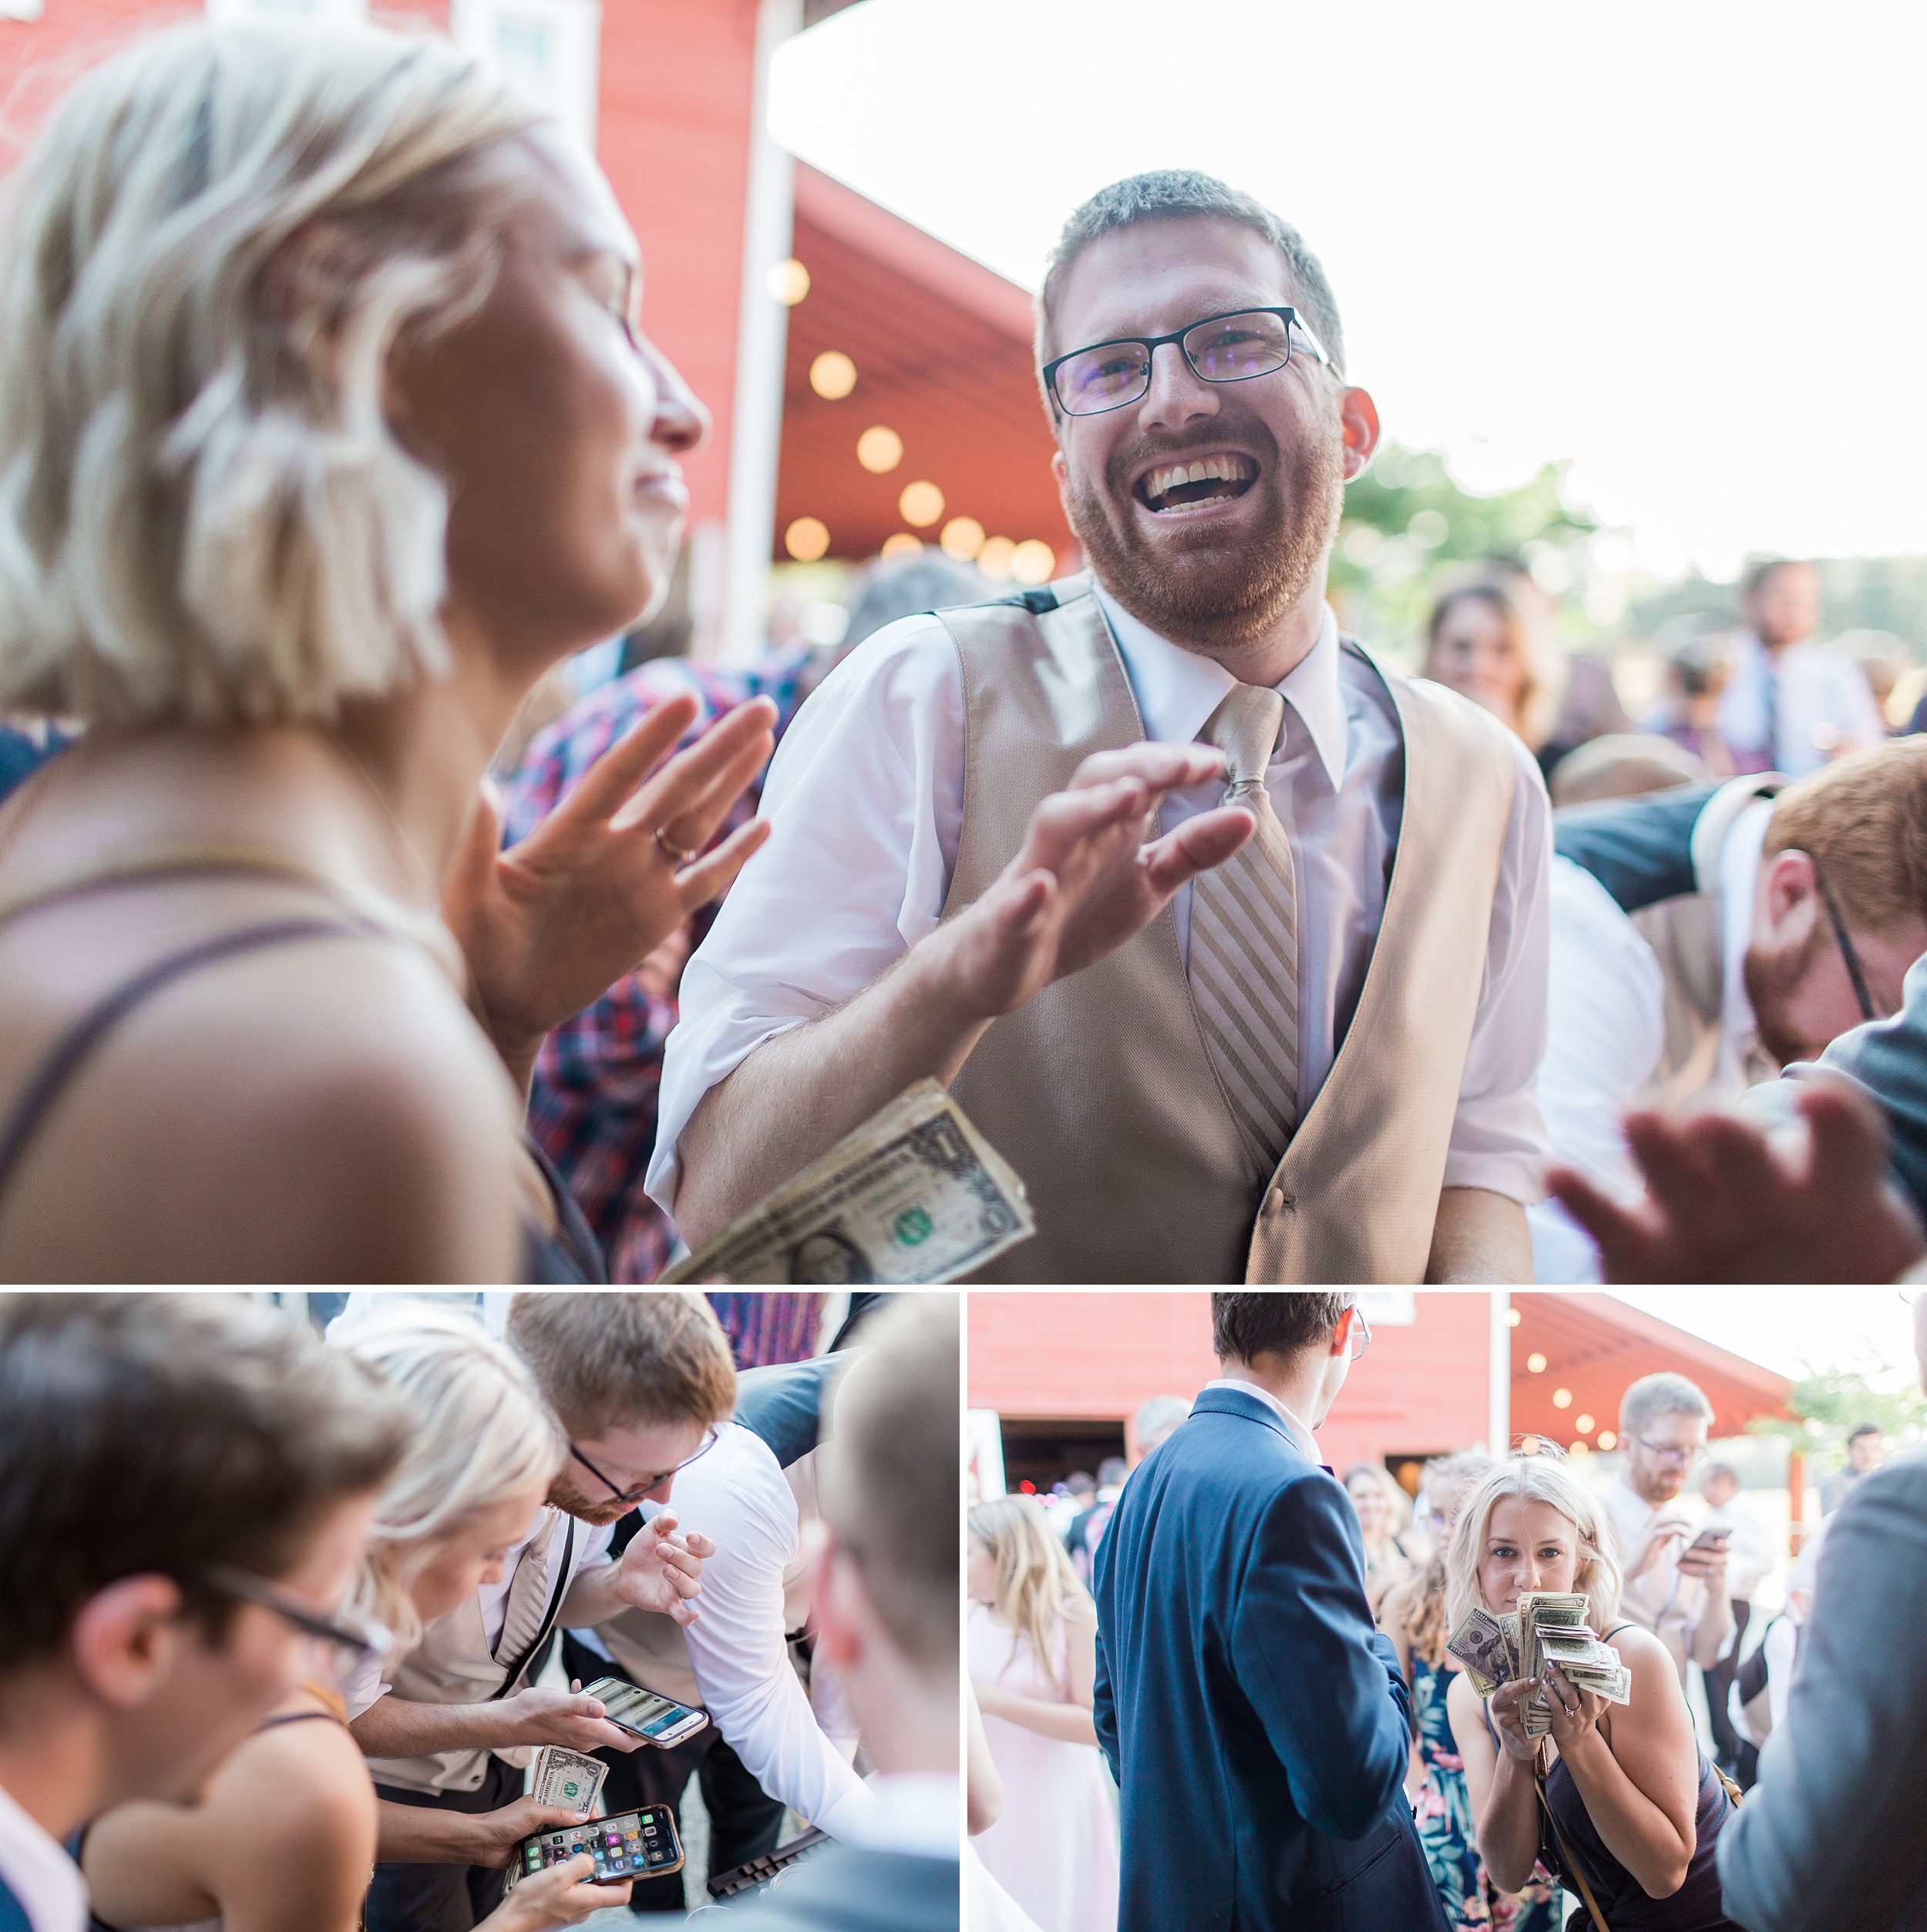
x=1255 y=1721
x=189 y=1483
x=1789 y=705
x=1233 y=942
x=1676 y=1592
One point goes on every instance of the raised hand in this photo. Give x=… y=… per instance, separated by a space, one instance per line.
x=1086 y=880
x=1726 y=1204
x=663 y=1571
x=550 y=925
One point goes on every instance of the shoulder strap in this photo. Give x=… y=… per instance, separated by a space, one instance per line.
x=1571 y=1864
x=70 y=1052
x=564 y=1575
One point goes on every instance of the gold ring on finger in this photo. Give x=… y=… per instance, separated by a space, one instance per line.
x=675 y=855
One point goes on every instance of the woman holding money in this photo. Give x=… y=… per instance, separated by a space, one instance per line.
x=1579 y=1749
x=284 y=1837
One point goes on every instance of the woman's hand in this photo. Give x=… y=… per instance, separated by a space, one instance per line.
x=557 y=1896
x=990 y=1700
x=1508 y=1719
x=1575 y=1712
x=497 y=1833
x=551 y=924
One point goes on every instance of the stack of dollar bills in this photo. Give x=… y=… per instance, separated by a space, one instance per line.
x=1549 y=1627
x=567 y=1778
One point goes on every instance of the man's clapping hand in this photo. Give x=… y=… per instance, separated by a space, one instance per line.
x=1086 y=880
x=663 y=1571
x=543 y=1716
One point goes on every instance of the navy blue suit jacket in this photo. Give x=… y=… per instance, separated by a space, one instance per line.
x=1255 y=1721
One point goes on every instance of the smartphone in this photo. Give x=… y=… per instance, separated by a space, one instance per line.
x=633 y=1844
x=1714 y=1540
x=647 y=1715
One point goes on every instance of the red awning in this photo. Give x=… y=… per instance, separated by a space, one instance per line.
x=942 y=347
x=1596 y=1345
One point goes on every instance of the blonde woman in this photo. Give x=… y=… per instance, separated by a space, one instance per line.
x=325 y=428
x=1033 y=1657
x=285 y=1836
x=1384 y=1514
x=1617 y=1800
x=1479 y=642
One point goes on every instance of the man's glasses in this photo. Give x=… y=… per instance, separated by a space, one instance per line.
x=1850 y=958
x=638 y=1491
x=1221 y=348
x=1670 y=1453
x=1361 y=1332
x=349 y=1640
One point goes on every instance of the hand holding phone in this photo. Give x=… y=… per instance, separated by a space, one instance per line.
x=647 y=1715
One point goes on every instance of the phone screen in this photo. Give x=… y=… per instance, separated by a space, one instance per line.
x=639 y=1710
x=623 y=1847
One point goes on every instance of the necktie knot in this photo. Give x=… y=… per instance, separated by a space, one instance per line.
x=1245 y=727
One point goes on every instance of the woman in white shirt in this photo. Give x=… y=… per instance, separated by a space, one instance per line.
x=283 y=1838
x=1033 y=1636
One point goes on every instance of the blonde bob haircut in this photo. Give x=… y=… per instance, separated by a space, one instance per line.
x=205 y=258
x=483 y=1432
x=1034 y=1578
x=1537 y=1479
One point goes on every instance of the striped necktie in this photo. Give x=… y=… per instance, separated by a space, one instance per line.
x=1243 y=966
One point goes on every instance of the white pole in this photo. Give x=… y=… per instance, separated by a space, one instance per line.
x=762 y=334
x=1499 y=1370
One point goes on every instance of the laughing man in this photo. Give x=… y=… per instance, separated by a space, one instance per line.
x=1232 y=941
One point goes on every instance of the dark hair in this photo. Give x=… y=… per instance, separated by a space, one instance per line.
x=159 y=1434
x=1277 y=1321
x=1080 y=1479
x=1866 y=1429
x=1758 y=572
x=891 y=1483
x=1166 y=194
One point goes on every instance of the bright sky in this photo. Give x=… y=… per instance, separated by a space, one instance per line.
x=1681 y=245
x=1787 y=1329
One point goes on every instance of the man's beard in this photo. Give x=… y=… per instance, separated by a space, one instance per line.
x=564 y=1496
x=1772 y=983
x=1201 y=588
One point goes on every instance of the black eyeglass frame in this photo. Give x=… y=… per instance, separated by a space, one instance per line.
x=636 y=1495
x=1151 y=344
x=1849 y=957
x=225 y=1580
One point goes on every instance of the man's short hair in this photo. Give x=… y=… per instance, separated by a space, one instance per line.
x=1862 y=820
x=1664 y=1394
x=1274 y=1322
x=1167 y=194
x=162 y=1434
x=891 y=1477
x=1758 y=572
x=1866 y=1429
x=626 y=1361
x=1080 y=1479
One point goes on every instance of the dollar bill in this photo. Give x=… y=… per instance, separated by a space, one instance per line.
x=916 y=1195
x=1555 y=1612
x=560 y=1776
x=1480 y=1644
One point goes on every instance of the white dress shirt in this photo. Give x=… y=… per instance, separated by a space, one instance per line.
x=1753 y=1550
x=865 y=794
x=1663 y=1600
x=737 y=1496
x=920 y=1812
x=39 y=1872
x=1822 y=703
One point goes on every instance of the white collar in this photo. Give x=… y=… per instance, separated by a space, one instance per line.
x=917 y=1811
x=39 y=1872
x=1178 y=689
x=1301 y=1436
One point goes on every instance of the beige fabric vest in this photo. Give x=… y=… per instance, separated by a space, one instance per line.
x=451 y=1664
x=1100 y=1090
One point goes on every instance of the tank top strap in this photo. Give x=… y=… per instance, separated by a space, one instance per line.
x=64 y=1059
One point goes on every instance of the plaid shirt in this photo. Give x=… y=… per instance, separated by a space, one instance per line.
x=592 y=1104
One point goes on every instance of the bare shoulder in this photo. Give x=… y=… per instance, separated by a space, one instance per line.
x=1462 y=1704
x=294 y=1798
x=322 y=1110
x=1642 y=1653
x=1078 y=1611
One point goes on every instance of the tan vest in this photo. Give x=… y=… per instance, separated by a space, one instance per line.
x=1100 y=1090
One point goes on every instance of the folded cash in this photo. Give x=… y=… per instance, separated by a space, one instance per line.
x=1480 y=1643
x=915 y=1195
x=567 y=1778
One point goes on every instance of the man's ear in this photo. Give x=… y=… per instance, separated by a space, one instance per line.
x=1789 y=896
x=126 y=1639
x=837 y=1603
x=1358 y=415
x=1341 y=1334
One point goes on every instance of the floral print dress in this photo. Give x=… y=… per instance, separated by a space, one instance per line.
x=1444 y=1815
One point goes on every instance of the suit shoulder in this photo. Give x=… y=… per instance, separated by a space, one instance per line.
x=854 y=1889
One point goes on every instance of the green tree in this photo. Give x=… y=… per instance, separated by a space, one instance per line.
x=1826 y=1405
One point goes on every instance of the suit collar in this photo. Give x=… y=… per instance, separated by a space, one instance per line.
x=1254 y=1408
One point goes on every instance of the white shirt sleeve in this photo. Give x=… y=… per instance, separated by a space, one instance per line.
x=738 y=1646
x=865 y=798
x=1498 y=1139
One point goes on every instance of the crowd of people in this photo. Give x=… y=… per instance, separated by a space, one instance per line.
x=328 y=432
x=1273 y=1667
x=279 y=1613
